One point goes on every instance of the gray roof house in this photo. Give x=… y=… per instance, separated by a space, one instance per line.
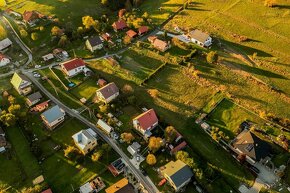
x=200 y=38
x=33 y=99
x=134 y=148
x=178 y=174
x=53 y=117
x=85 y=140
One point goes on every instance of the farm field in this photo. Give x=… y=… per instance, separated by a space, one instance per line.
x=266 y=30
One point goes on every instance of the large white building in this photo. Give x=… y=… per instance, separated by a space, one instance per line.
x=73 y=67
x=200 y=38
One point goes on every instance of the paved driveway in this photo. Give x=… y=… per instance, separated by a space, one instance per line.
x=266 y=175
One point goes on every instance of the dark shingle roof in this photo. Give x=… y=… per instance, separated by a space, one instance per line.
x=94 y=41
x=34 y=96
x=252 y=146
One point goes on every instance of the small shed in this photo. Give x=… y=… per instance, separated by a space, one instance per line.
x=134 y=148
x=47 y=57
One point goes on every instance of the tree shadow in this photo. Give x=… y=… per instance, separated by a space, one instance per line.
x=282 y=6
x=246 y=49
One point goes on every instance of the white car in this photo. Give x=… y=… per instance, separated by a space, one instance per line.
x=37 y=66
x=36 y=75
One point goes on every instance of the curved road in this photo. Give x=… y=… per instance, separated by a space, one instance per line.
x=143 y=180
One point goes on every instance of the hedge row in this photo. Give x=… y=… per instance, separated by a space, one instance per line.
x=151 y=74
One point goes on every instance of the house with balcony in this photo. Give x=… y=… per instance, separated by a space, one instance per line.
x=85 y=140
x=53 y=117
x=21 y=84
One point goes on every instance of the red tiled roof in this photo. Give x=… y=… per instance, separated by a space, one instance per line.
x=179 y=147
x=47 y=191
x=143 y=29
x=160 y=44
x=131 y=33
x=72 y=64
x=121 y=24
x=106 y=36
x=31 y=15
x=147 y=119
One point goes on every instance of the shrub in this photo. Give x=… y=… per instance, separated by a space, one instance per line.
x=34 y=36
x=211 y=57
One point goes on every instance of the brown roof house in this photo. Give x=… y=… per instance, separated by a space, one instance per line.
x=108 y=93
x=94 y=43
x=131 y=33
x=248 y=144
x=200 y=38
x=159 y=44
x=178 y=174
x=145 y=122
x=31 y=17
x=122 y=186
x=106 y=37
x=33 y=99
x=21 y=84
x=119 y=25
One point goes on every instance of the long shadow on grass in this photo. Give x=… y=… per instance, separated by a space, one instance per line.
x=259 y=71
x=247 y=49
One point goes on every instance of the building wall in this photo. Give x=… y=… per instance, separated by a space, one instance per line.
x=88 y=147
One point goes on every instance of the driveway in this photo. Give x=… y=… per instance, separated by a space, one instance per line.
x=266 y=175
x=258 y=185
x=135 y=162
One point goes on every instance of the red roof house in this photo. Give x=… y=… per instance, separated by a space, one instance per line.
x=119 y=25
x=145 y=122
x=131 y=33
x=73 y=67
x=47 y=191
x=143 y=30
x=178 y=147
x=31 y=16
x=106 y=36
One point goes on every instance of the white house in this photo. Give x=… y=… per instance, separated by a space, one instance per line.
x=85 y=140
x=4 y=60
x=104 y=126
x=94 y=43
x=21 y=84
x=107 y=93
x=53 y=117
x=145 y=122
x=73 y=67
x=200 y=38
x=48 y=57
x=5 y=44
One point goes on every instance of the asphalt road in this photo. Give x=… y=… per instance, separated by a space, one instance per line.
x=143 y=180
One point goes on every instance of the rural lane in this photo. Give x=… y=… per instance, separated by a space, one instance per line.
x=151 y=188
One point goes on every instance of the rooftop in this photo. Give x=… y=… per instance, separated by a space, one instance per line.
x=53 y=114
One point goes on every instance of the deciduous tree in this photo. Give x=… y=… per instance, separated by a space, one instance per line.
x=155 y=143
x=151 y=159
x=211 y=57
x=170 y=134
x=127 y=137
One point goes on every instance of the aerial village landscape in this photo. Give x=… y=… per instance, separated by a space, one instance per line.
x=143 y=96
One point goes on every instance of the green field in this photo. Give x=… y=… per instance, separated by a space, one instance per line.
x=157 y=15
x=267 y=30
x=87 y=89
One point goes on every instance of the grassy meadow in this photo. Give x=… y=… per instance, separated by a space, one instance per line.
x=266 y=29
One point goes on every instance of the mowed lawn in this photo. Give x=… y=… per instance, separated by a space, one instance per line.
x=24 y=155
x=267 y=30
x=87 y=89
x=10 y=173
x=228 y=117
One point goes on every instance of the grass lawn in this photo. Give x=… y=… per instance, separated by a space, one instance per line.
x=87 y=89
x=27 y=160
x=227 y=116
x=266 y=30
x=55 y=88
x=160 y=15
x=10 y=173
